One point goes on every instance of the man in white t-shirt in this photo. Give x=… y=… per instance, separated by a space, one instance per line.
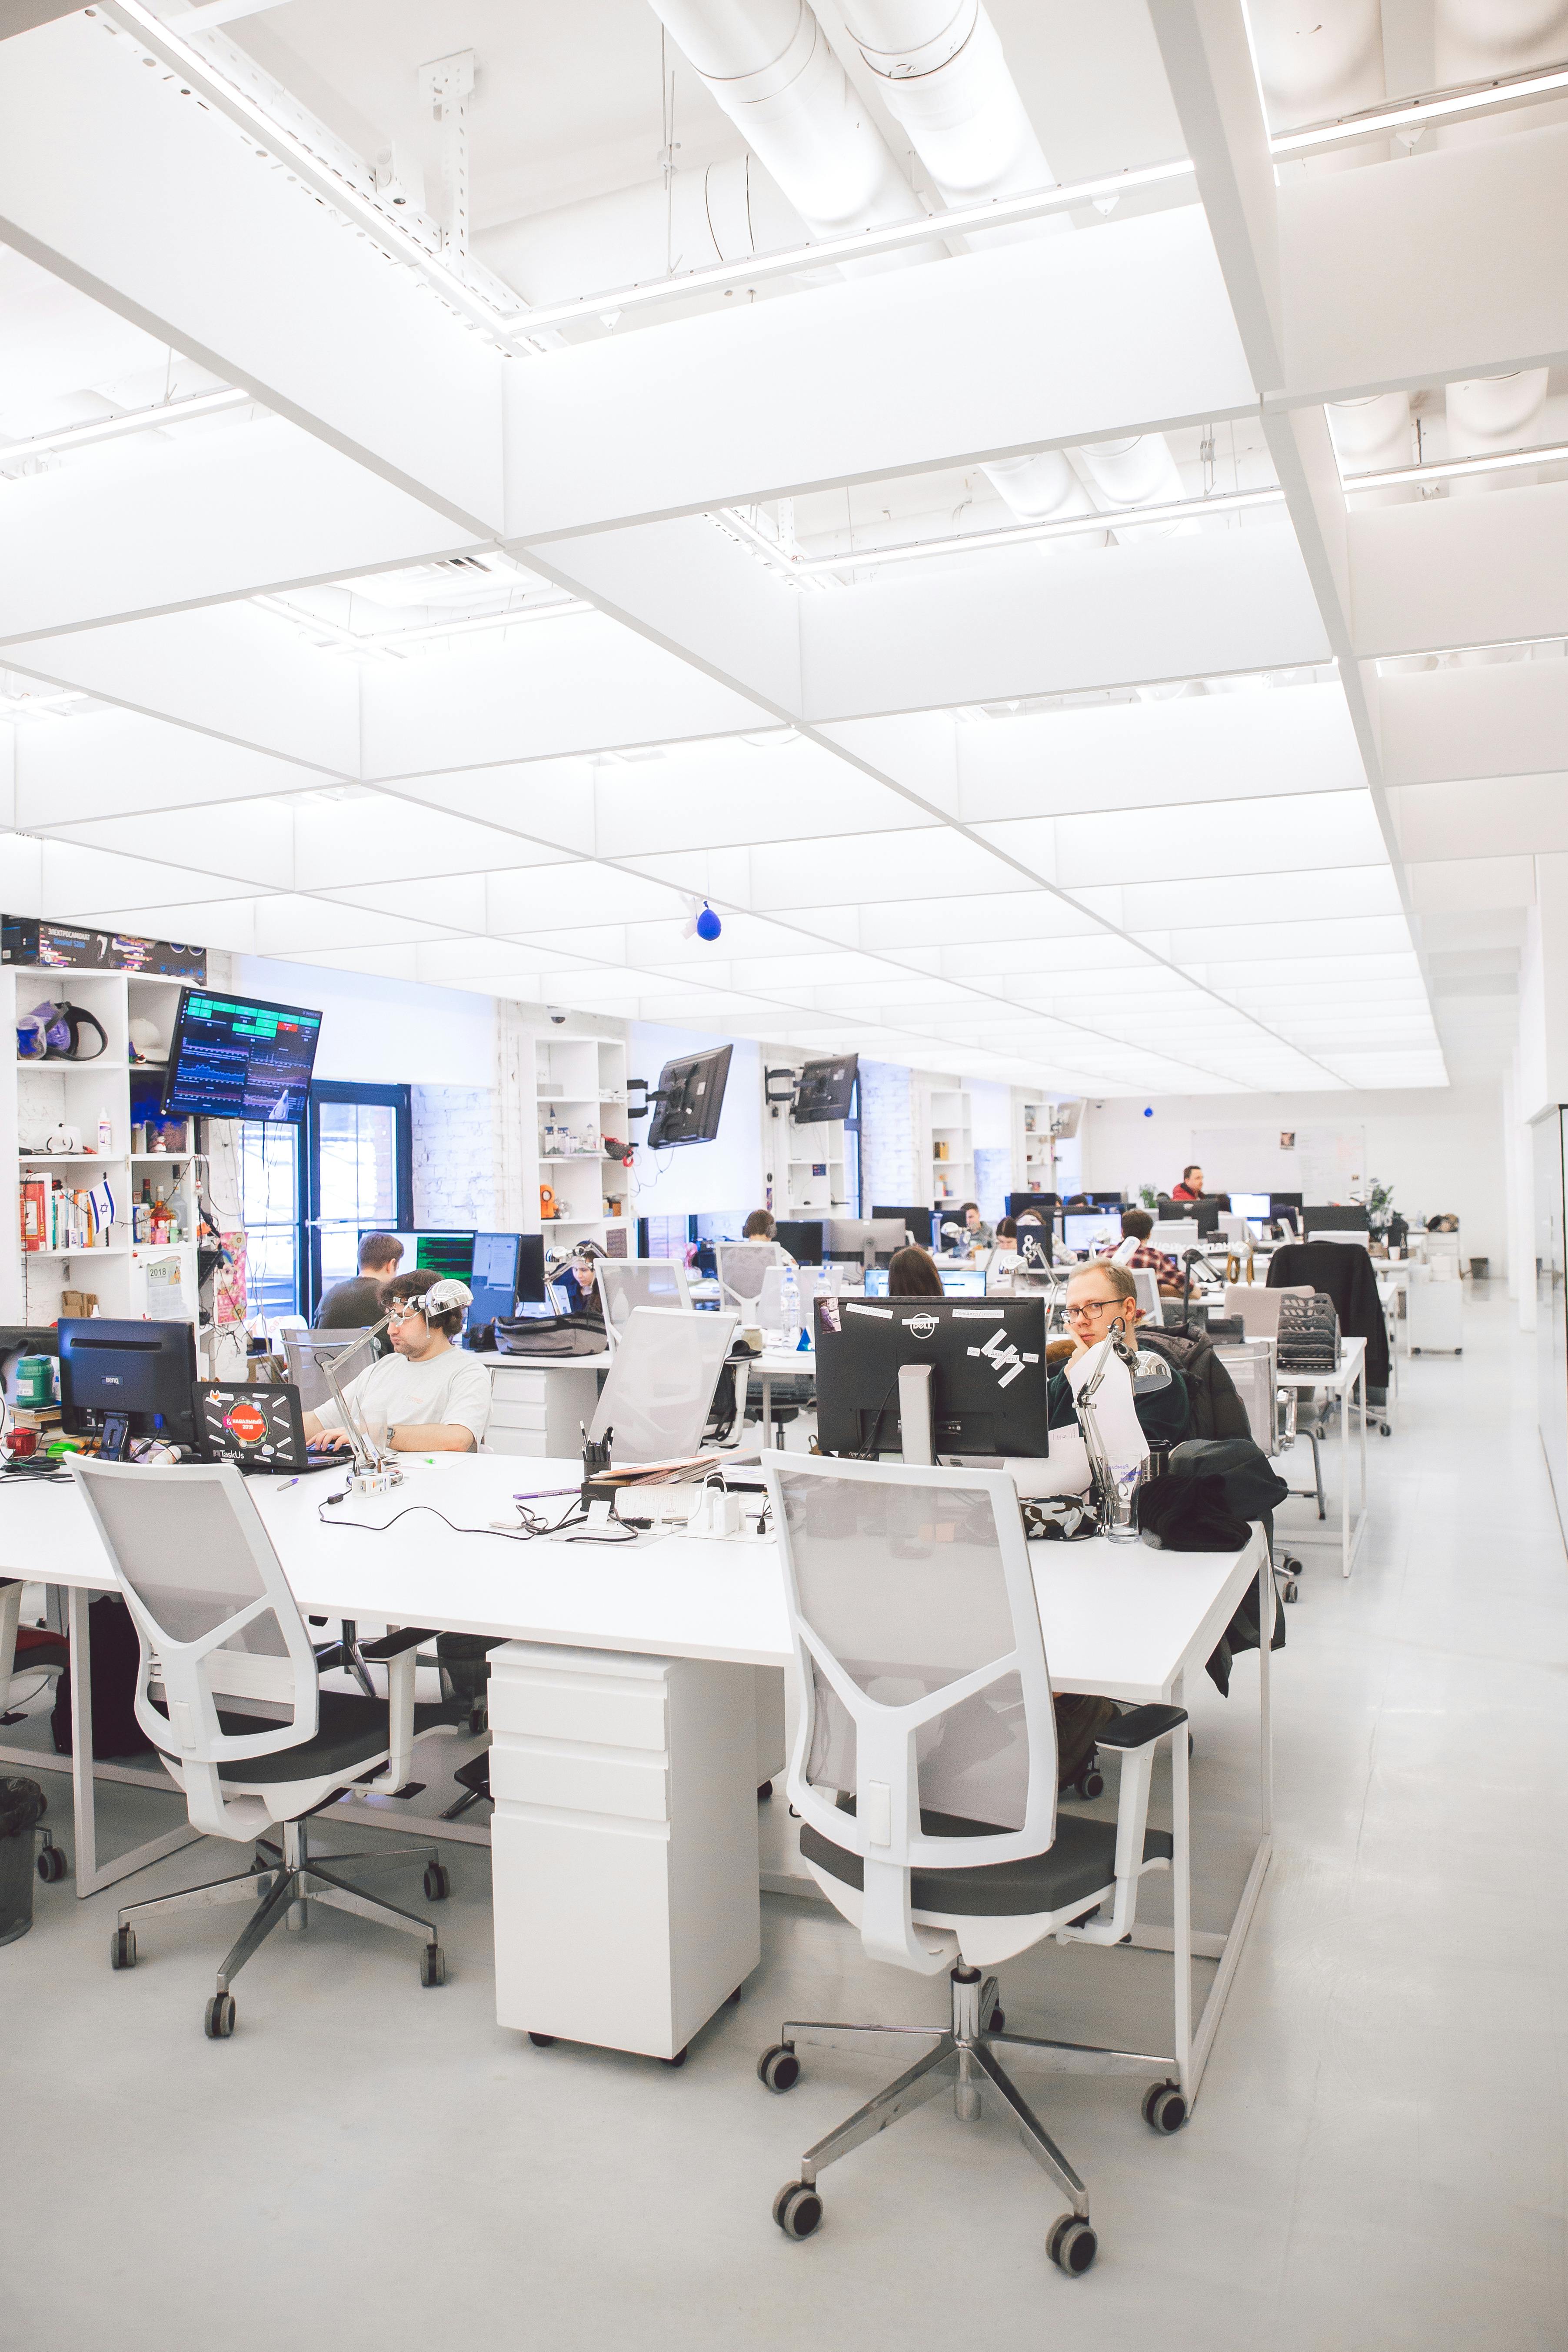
x=428 y=1396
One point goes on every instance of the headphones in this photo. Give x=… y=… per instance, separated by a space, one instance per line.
x=442 y=1297
x=54 y=1032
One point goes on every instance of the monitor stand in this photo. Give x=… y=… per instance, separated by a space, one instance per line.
x=116 y=1437
x=918 y=1432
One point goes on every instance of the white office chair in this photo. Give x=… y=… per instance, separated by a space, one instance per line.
x=925 y=1772
x=219 y=1627
x=629 y=1283
x=304 y=1352
x=742 y=1268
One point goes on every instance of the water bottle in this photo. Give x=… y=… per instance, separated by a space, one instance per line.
x=789 y=1309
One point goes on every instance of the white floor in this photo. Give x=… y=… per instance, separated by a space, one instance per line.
x=1377 y=2159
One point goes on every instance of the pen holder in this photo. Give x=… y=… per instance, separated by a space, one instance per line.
x=1121 y=1486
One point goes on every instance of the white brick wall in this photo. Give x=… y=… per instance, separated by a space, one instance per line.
x=454 y=1156
x=887 y=1137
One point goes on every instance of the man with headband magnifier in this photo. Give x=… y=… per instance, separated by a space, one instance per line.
x=428 y=1396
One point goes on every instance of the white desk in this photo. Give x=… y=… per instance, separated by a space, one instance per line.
x=1120 y=1620
x=1348 y=1382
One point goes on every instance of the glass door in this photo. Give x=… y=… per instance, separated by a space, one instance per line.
x=360 y=1175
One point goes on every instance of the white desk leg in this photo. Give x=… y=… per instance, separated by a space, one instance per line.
x=1361 y=1383
x=90 y=1879
x=1231 y=1944
x=1267 y=1602
x=1347 y=1395
x=767 y=1380
x=1182 y=1901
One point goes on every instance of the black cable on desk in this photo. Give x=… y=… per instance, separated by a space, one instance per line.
x=534 y=1525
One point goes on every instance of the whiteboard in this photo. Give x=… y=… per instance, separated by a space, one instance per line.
x=1322 y=1163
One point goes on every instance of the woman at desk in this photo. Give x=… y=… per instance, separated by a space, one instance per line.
x=911 y=1274
x=426 y=1397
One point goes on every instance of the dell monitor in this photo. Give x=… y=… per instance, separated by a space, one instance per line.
x=239 y=1057
x=802 y=1237
x=689 y=1098
x=988 y=1362
x=916 y=1221
x=825 y=1090
x=119 y=1380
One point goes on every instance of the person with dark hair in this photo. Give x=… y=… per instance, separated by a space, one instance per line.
x=426 y=1397
x=911 y=1274
x=1191 y=1187
x=355 y=1305
x=1137 y=1225
x=759 y=1226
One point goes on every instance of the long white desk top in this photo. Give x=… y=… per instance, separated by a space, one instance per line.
x=1119 y=1619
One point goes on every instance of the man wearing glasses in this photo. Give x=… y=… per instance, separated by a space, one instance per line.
x=428 y=1396
x=1102 y=1297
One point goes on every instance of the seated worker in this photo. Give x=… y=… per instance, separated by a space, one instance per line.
x=759 y=1226
x=355 y=1305
x=1006 y=1234
x=1191 y=1187
x=1137 y=1224
x=428 y=1396
x=911 y=1274
x=1101 y=1296
x=977 y=1233
x=576 y=1284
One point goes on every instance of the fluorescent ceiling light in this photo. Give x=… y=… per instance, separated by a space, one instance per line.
x=1448 y=469
x=389 y=644
x=115 y=428
x=1010 y=535
x=1445 y=105
x=858 y=244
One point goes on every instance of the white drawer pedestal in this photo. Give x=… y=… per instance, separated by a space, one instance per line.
x=540 y=1410
x=624 y=1843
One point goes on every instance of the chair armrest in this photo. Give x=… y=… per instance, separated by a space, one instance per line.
x=392 y=1645
x=1135 y=1729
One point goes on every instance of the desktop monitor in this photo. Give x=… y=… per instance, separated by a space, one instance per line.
x=119 y=1380
x=962 y=1281
x=1104 y=1199
x=916 y=1221
x=803 y=1237
x=825 y=1090
x=1034 y=1245
x=1281 y=1203
x=1048 y=1204
x=497 y=1264
x=988 y=1359
x=432 y=1253
x=689 y=1098
x=847 y=1240
x=237 y=1058
x=1336 y=1220
x=531 y=1269
x=1252 y=1204
x=1209 y=1211
x=1091 y=1229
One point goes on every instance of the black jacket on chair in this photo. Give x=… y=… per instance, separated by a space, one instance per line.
x=1343 y=1272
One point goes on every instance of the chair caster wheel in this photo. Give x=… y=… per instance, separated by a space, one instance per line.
x=122 y=1948
x=1165 y=2108
x=779 y=2069
x=51 y=1864
x=1072 y=2245
x=797 y=2209
x=543 y=2040
x=998 y=2022
x=437 y=1885
x=1291 y=1588
x=732 y=1999
x=218 y=2023
x=679 y=2059
x=432 y=1964
x=1091 y=1782
x=764 y=1791
x=479 y=1719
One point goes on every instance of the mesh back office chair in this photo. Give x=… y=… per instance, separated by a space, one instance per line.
x=627 y=1282
x=228 y=1694
x=351 y=1353
x=924 y=1773
x=29 y=1650
x=741 y=1268
x=1147 y=1284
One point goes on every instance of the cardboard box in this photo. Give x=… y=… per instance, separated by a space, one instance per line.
x=69 y=947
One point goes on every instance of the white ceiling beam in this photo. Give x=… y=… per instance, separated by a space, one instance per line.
x=1503 y=719
x=121 y=763
x=158 y=207
x=1427 y=269
x=233 y=513
x=1439 y=575
x=1037 y=344
x=1514 y=816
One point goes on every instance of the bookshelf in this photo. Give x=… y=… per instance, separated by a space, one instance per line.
x=580 y=1087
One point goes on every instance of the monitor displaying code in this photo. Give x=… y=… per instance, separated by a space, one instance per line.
x=235 y=1057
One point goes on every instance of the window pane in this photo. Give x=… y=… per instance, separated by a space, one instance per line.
x=269 y=1181
x=359 y=1163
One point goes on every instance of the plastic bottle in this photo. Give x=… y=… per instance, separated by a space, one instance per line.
x=105 y=1135
x=791 y=1333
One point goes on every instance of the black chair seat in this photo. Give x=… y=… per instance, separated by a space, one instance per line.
x=351 y=1732
x=1081 y=1861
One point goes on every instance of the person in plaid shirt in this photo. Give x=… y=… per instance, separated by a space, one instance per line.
x=1138 y=1223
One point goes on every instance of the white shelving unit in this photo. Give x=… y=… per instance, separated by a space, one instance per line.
x=126 y=1277
x=1034 y=1146
x=818 y=1147
x=949 y=1143
x=581 y=1090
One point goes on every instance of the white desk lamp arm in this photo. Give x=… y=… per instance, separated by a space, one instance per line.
x=367 y=1455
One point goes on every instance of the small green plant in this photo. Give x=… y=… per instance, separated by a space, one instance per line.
x=1150 y=1198
x=1379 y=1204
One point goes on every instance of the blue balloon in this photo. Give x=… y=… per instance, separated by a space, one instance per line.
x=708 y=924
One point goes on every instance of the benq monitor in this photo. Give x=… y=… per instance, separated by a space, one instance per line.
x=689 y=1097
x=119 y=1380
x=825 y=1090
x=988 y=1359
x=238 y=1057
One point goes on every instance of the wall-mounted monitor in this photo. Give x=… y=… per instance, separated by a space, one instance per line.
x=238 y=1057
x=825 y=1090
x=689 y=1098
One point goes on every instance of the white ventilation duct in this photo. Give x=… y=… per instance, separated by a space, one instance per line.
x=1316 y=60
x=943 y=78
x=1474 y=39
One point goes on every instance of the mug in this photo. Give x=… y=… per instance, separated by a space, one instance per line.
x=24 y=1442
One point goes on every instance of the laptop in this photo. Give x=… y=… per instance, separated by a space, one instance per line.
x=260 y=1430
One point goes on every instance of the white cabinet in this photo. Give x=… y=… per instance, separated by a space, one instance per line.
x=623 y=1844
x=540 y=1410
x=581 y=1089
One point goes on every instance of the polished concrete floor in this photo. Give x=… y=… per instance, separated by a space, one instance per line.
x=1377 y=2159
